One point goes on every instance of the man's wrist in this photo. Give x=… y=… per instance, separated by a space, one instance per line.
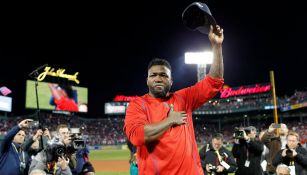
x=170 y=122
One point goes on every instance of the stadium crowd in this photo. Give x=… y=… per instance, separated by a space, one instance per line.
x=258 y=128
x=108 y=131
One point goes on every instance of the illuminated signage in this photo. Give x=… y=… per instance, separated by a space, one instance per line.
x=115 y=108
x=120 y=98
x=5 y=103
x=228 y=92
x=225 y=93
x=58 y=73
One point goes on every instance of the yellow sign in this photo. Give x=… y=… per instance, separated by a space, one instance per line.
x=59 y=73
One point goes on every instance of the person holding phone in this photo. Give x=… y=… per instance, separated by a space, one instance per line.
x=275 y=139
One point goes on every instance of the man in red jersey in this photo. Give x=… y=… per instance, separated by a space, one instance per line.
x=160 y=123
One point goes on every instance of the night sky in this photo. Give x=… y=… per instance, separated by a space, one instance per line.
x=111 y=43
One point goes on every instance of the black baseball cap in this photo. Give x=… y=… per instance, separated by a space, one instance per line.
x=197 y=16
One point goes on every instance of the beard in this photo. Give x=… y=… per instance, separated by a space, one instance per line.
x=160 y=93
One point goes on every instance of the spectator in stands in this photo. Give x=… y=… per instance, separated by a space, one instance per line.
x=13 y=158
x=274 y=142
x=294 y=155
x=64 y=97
x=160 y=123
x=217 y=159
x=282 y=169
x=247 y=151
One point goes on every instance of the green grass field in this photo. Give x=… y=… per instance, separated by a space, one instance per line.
x=109 y=154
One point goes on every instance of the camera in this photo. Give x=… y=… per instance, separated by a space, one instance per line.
x=274 y=125
x=33 y=124
x=212 y=168
x=239 y=132
x=55 y=149
x=289 y=152
x=76 y=138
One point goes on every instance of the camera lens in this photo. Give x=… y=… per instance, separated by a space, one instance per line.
x=60 y=151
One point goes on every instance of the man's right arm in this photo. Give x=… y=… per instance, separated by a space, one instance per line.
x=139 y=131
x=154 y=131
x=174 y=118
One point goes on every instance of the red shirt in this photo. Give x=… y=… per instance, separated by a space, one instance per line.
x=176 y=151
x=66 y=104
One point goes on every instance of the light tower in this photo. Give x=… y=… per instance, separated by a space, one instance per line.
x=201 y=59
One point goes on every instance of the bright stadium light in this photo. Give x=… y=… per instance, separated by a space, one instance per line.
x=198 y=57
x=201 y=59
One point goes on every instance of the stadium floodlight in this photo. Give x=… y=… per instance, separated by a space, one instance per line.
x=198 y=57
x=201 y=59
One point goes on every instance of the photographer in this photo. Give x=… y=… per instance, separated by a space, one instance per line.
x=83 y=165
x=58 y=155
x=64 y=133
x=294 y=155
x=275 y=142
x=13 y=158
x=53 y=159
x=217 y=159
x=37 y=142
x=247 y=151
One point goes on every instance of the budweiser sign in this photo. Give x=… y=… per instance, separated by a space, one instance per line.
x=228 y=92
x=120 y=98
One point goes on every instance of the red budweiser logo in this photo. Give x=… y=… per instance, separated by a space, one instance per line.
x=120 y=98
x=228 y=92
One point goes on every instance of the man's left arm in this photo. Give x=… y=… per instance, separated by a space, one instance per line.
x=207 y=88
